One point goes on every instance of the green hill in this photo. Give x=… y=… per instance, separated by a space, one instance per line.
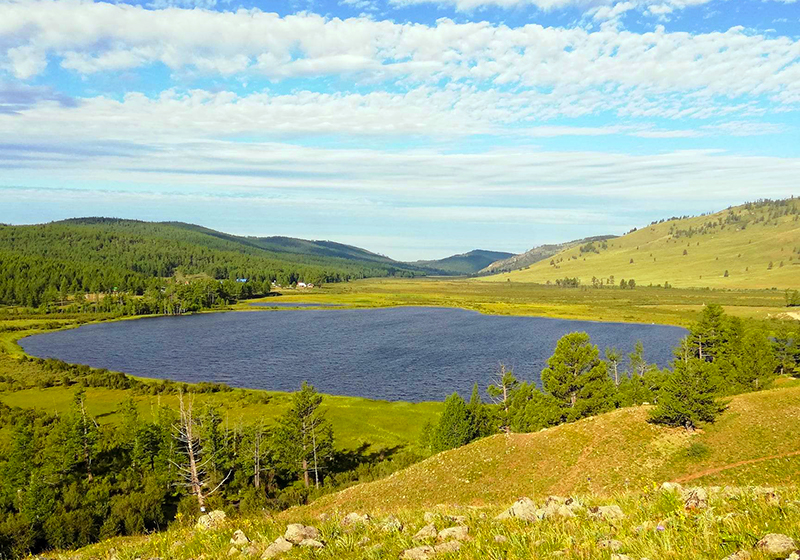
x=756 y=245
x=464 y=264
x=756 y=441
x=101 y=254
x=538 y=253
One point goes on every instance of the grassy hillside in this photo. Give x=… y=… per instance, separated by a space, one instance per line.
x=615 y=462
x=757 y=245
x=603 y=455
x=466 y=263
x=538 y=253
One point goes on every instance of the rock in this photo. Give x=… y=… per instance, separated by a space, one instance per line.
x=500 y=539
x=695 y=498
x=276 y=548
x=794 y=556
x=739 y=555
x=418 y=553
x=323 y=517
x=355 y=519
x=607 y=512
x=610 y=544
x=459 y=533
x=233 y=551
x=620 y=557
x=392 y=524
x=297 y=532
x=776 y=544
x=427 y=532
x=457 y=519
x=250 y=550
x=429 y=517
x=211 y=520
x=671 y=487
x=239 y=538
x=524 y=509
x=445 y=547
x=311 y=543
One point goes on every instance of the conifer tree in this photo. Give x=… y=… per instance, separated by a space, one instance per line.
x=577 y=378
x=688 y=397
x=455 y=427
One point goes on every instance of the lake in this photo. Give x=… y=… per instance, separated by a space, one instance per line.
x=405 y=353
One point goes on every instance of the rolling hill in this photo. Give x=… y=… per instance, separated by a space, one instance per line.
x=755 y=245
x=464 y=264
x=538 y=253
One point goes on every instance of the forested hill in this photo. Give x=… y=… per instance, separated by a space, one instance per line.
x=92 y=255
x=755 y=245
x=538 y=253
x=466 y=263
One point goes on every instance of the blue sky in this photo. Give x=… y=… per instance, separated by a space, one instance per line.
x=413 y=128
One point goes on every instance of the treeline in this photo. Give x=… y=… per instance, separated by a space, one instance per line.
x=67 y=481
x=123 y=256
x=721 y=356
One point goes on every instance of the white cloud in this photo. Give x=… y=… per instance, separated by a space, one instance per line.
x=613 y=66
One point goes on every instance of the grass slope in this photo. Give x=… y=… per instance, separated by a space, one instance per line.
x=743 y=241
x=466 y=263
x=605 y=455
x=538 y=253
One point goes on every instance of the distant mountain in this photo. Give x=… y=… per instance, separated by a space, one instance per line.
x=539 y=253
x=754 y=245
x=466 y=263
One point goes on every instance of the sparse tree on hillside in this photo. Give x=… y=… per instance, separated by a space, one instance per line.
x=454 y=428
x=577 y=378
x=613 y=357
x=688 y=397
x=502 y=391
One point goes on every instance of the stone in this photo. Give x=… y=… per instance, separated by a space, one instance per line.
x=739 y=555
x=607 y=512
x=610 y=544
x=355 y=519
x=211 y=520
x=695 y=498
x=620 y=557
x=457 y=519
x=311 y=543
x=500 y=539
x=524 y=509
x=672 y=487
x=392 y=524
x=429 y=517
x=233 y=551
x=239 y=538
x=445 y=547
x=418 y=553
x=776 y=544
x=250 y=550
x=297 y=532
x=459 y=533
x=276 y=548
x=427 y=532
x=794 y=556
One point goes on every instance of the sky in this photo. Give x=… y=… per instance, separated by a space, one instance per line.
x=413 y=128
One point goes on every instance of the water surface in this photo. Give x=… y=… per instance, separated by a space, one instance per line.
x=405 y=353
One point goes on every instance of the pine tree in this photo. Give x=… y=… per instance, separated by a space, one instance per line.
x=304 y=437
x=577 y=378
x=688 y=397
x=479 y=415
x=454 y=428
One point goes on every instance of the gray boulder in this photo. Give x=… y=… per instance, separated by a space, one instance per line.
x=297 y=532
x=776 y=544
x=607 y=512
x=311 y=543
x=276 y=548
x=524 y=509
x=212 y=520
x=427 y=532
x=458 y=533
x=695 y=498
x=418 y=553
x=445 y=547
x=239 y=538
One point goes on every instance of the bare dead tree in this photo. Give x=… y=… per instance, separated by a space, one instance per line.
x=193 y=469
x=500 y=391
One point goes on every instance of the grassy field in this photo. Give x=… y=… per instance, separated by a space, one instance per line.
x=605 y=455
x=641 y=305
x=756 y=250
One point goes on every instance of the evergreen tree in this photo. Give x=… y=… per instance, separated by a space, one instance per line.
x=304 y=437
x=479 y=415
x=577 y=378
x=454 y=428
x=688 y=397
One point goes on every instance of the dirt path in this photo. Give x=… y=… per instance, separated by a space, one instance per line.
x=701 y=474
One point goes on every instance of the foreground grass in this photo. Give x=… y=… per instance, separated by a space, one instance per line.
x=641 y=305
x=655 y=525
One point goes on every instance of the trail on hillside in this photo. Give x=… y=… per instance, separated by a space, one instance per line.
x=701 y=474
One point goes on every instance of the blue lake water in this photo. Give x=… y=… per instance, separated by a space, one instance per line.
x=406 y=353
